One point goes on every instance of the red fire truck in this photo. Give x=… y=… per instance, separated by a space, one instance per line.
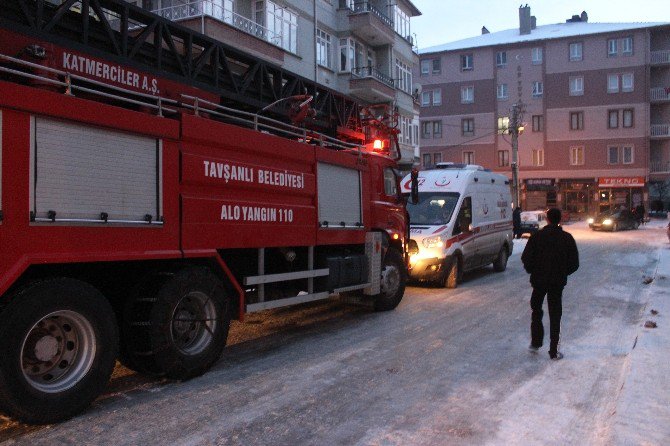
x=145 y=201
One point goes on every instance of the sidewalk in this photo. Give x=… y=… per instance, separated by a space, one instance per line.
x=642 y=414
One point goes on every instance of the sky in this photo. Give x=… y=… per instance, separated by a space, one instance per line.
x=449 y=20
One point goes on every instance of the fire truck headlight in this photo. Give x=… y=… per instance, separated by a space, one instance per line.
x=607 y=221
x=590 y=221
x=433 y=242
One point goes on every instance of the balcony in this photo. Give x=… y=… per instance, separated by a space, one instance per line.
x=659 y=167
x=208 y=8
x=368 y=23
x=660 y=131
x=660 y=57
x=371 y=85
x=659 y=94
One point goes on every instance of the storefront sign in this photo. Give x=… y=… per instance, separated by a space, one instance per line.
x=539 y=184
x=604 y=182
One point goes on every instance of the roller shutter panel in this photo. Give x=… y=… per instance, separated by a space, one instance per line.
x=339 y=195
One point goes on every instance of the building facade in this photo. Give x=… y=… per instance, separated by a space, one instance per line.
x=593 y=100
x=361 y=48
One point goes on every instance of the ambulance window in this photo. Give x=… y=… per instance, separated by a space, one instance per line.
x=390 y=187
x=464 y=219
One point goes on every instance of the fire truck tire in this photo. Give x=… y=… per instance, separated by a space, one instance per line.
x=186 y=325
x=59 y=348
x=394 y=277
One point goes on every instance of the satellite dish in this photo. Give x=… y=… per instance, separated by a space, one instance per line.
x=418 y=88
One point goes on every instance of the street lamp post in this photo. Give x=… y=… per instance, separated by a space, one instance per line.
x=515 y=127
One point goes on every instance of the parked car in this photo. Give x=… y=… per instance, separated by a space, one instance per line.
x=614 y=220
x=532 y=221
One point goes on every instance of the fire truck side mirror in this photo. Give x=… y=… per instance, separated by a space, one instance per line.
x=414 y=193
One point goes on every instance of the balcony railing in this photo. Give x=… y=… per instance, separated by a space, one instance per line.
x=365 y=6
x=660 y=57
x=660 y=94
x=660 y=130
x=201 y=8
x=659 y=166
x=371 y=72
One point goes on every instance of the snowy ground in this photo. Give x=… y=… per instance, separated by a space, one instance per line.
x=446 y=367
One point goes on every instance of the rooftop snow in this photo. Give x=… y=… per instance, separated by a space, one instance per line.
x=556 y=31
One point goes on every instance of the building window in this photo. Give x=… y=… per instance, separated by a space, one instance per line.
x=611 y=48
x=401 y=23
x=351 y=55
x=627 y=156
x=501 y=58
x=403 y=74
x=425 y=66
x=613 y=119
x=503 y=158
x=536 y=55
x=437 y=97
x=627 y=82
x=468 y=127
x=627 y=46
x=538 y=157
x=577 y=156
x=282 y=24
x=576 y=85
x=612 y=155
x=426 y=159
x=467 y=62
x=538 y=89
x=426 y=129
x=323 y=48
x=576 y=120
x=612 y=83
x=576 y=51
x=502 y=91
x=538 y=123
x=627 y=118
x=437 y=129
x=425 y=98
x=468 y=157
x=437 y=158
x=467 y=94
x=437 y=66
x=503 y=125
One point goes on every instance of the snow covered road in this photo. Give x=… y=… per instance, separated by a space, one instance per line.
x=446 y=367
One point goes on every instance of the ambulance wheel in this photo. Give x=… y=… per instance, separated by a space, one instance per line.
x=183 y=331
x=58 y=352
x=394 y=276
x=500 y=263
x=453 y=275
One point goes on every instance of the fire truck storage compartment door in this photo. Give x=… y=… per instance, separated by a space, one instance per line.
x=339 y=195
x=80 y=172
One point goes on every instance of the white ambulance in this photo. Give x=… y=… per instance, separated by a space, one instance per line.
x=461 y=220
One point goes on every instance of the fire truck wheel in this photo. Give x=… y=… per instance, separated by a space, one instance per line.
x=186 y=326
x=58 y=352
x=394 y=276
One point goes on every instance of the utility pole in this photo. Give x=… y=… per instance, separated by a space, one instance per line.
x=515 y=125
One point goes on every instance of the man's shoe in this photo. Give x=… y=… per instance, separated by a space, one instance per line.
x=556 y=356
x=533 y=349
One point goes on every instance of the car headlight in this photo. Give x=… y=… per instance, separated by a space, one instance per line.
x=433 y=242
x=607 y=221
x=589 y=221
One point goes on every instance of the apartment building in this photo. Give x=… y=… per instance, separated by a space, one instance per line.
x=362 y=48
x=594 y=102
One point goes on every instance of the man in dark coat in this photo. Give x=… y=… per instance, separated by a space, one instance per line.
x=550 y=257
x=516 y=222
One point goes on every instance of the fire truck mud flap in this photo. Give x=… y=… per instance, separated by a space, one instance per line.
x=58 y=351
x=176 y=324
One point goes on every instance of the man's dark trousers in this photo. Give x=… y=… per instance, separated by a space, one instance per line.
x=554 y=294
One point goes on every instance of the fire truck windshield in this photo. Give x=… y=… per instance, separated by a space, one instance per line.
x=433 y=208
